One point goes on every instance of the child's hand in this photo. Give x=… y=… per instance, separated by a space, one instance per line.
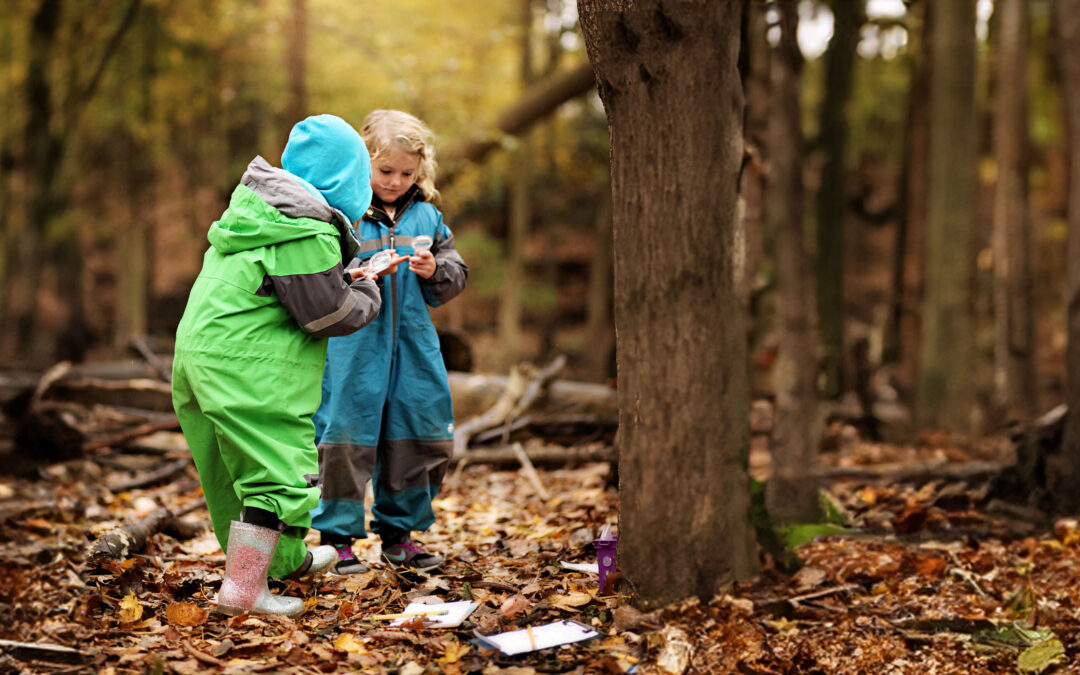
x=392 y=267
x=360 y=273
x=422 y=264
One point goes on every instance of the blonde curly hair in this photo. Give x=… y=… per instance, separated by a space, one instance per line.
x=384 y=130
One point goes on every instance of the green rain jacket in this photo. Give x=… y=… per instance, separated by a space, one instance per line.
x=251 y=347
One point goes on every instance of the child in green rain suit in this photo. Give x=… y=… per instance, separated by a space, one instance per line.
x=251 y=347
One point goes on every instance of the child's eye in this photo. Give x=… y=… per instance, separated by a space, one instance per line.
x=385 y=172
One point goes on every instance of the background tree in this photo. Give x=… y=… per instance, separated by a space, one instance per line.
x=908 y=279
x=946 y=379
x=832 y=196
x=669 y=82
x=791 y=494
x=1014 y=300
x=1063 y=471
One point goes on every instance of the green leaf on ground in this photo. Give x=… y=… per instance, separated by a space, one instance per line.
x=1037 y=658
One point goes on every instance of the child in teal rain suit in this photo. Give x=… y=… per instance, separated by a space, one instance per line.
x=251 y=347
x=386 y=413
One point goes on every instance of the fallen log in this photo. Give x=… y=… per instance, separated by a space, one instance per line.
x=122 y=542
x=543 y=455
x=145 y=394
x=474 y=393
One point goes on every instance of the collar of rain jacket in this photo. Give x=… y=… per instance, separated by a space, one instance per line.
x=377 y=211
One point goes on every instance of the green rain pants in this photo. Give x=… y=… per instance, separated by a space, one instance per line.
x=253 y=442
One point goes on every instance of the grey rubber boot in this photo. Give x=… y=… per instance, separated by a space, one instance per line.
x=246 y=564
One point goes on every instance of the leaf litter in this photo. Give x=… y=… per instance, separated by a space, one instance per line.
x=921 y=581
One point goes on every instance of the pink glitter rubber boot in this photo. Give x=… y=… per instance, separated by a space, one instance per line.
x=246 y=563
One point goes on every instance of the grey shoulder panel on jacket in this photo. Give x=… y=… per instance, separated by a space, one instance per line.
x=280 y=189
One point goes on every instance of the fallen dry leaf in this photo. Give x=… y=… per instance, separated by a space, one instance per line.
x=130 y=609
x=186 y=614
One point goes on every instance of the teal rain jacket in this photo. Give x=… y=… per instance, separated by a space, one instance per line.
x=386 y=413
x=251 y=346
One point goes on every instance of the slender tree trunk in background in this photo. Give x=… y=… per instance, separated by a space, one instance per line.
x=135 y=265
x=598 y=307
x=1063 y=470
x=550 y=319
x=831 y=198
x=43 y=254
x=8 y=94
x=791 y=495
x=518 y=231
x=946 y=380
x=905 y=326
x=1014 y=338
x=43 y=154
x=754 y=68
x=668 y=78
x=297 y=107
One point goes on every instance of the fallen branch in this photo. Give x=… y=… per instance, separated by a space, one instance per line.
x=120 y=438
x=515 y=400
x=494 y=415
x=26 y=651
x=138 y=343
x=530 y=471
x=906 y=472
x=161 y=475
x=121 y=542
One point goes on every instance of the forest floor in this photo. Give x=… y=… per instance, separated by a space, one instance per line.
x=927 y=578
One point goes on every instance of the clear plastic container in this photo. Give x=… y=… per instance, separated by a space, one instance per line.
x=422 y=243
x=378 y=262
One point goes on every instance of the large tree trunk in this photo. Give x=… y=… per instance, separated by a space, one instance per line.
x=946 y=382
x=791 y=495
x=1014 y=337
x=905 y=326
x=668 y=78
x=1065 y=472
x=831 y=198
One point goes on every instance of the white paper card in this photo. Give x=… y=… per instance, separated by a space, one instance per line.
x=548 y=635
x=592 y=568
x=456 y=613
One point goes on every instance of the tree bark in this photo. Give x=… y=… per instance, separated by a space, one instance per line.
x=598 y=323
x=909 y=273
x=669 y=82
x=791 y=494
x=946 y=384
x=1014 y=335
x=1065 y=468
x=831 y=199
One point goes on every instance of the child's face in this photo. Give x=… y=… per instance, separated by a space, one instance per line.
x=393 y=173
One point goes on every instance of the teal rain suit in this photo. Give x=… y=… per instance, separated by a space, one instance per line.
x=251 y=346
x=386 y=413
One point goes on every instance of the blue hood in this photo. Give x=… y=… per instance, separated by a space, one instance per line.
x=328 y=153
